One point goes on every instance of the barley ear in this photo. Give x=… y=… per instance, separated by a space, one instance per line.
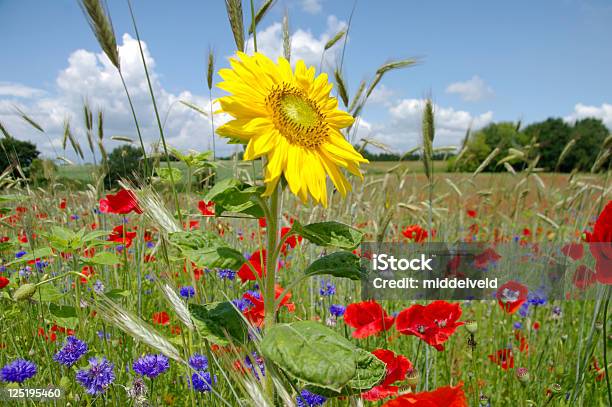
x=101 y=25
x=234 y=13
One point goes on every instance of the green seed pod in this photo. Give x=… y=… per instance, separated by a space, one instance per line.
x=522 y=375
x=413 y=377
x=24 y=292
x=471 y=326
x=556 y=388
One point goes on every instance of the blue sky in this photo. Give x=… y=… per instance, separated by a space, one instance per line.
x=480 y=60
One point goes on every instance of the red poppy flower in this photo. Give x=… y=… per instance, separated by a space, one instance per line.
x=599 y=371
x=504 y=358
x=121 y=235
x=526 y=232
x=523 y=344
x=397 y=366
x=121 y=203
x=256 y=313
x=4 y=282
x=262 y=222
x=62 y=204
x=583 y=277
x=193 y=224
x=161 y=318
x=573 y=250
x=471 y=213
x=601 y=245
x=368 y=317
x=511 y=296
x=206 y=208
x=258 y=262
x=415 y=233
x=21 y=209
x=447 y=396
x=291 y=241
x=483 y=259
x=433 y=323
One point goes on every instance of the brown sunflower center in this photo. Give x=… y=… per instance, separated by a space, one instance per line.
x=296 y=116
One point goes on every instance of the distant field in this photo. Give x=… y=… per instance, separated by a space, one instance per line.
x=83 y=173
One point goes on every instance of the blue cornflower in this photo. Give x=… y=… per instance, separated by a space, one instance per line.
x=537 y=297
x=255 y=294
x=202 y=381
x=227 y=274
x=337 y=310
x=150 y=245
x=98 y=377
x=119 y=247
x=524 y=310
x=260 y=368
x=18 y=371
x=71 y=352
x=518 y=325
x=98 y=287
x=20 y=254
x=150 y=277
x=242 y=304
x=101 y=335
x=74 y=217
x=151 y=365
x=198 y=362
x=308 y=399
x=327 y=288
x=187 y=291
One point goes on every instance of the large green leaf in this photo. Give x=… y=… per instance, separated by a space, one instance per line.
x=339 y=264
x=311 y=353
x=64 y=315
x=102 y=258
x=333 y=234
x=48 y=293
x=232 y=195
x=219 y=321
x=206 y=249
x=370 y=372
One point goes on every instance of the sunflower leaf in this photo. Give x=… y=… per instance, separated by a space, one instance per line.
x=333 y=234
x=219 y=322
x=339 y=264
x=312 y=353
x=232 y=195
x=206 y=249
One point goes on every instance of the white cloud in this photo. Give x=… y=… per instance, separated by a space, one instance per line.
x=304 y=44
x=90 y=76
x=312 y=6
x=18 y=90
x=403 y=131
x=381 y=95
x=581 y=111
x=472 y=90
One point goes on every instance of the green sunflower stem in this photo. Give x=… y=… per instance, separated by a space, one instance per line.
x=272 y=220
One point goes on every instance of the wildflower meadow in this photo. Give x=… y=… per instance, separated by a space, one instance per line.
x=170 y=276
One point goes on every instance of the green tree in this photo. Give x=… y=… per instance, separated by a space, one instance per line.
x=125 y=162
x=589 y=134
x=552 y=136
x=17 y=153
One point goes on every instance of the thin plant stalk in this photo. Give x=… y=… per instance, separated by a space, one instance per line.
x=159 y=124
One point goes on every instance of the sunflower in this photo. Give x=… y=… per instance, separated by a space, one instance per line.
x=291 y=119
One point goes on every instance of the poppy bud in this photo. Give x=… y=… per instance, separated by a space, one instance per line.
x=484 y=400
x=523 y=375
x=413 y=377
x=471 y=326
x=24 y=292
